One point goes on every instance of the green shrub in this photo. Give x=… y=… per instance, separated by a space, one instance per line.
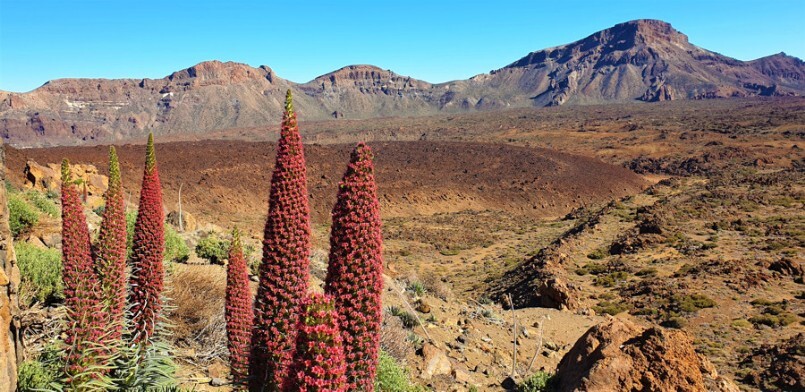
x=611 y=279
x=591 y=268
x=40 y=270
x=213 y=248
x=176 y=250
x=22 y=216
x=674 y=322
x=42 y=374
x=392 y=377
x=691 y=303
x=610 y=308
x=598 y=254
x=449 y=252
x=42 y=203
x=538 y=382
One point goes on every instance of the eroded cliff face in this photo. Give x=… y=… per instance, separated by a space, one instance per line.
x=10 y=349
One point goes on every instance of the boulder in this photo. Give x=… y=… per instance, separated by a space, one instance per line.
x=618 y=355
x=556 y=293
x=436 y=363
x=48 y=178
x=189 y=223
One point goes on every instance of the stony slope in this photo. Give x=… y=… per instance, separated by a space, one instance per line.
x=644 y=60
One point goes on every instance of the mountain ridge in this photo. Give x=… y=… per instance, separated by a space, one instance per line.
x=645 y=60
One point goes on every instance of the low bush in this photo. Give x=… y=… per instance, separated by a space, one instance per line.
x=213 y=248
x=691 y=303
x=610 y=308
x=176 y=249
x=538 y=382
x=598 y=254
x=22 y=216
x=392 y=377
x=611 y=279
x=40 y=270
x=42 y=374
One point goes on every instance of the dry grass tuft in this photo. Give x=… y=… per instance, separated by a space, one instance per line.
x=198 y=318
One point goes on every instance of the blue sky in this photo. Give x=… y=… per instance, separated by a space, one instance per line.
x=432 y=40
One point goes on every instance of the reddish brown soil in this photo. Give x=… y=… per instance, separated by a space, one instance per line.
x=414 y=177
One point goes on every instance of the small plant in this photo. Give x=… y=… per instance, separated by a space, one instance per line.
x=416 y=287
x=674 y=322
x=611 y=279
x=538 y=382
x=21 y=215
x=409 y=320
x=691 y=303
x=449 y=252
x=213 y=248
x=176 y=249
x=42 y=374
x=40 y=270
x=392 y=377
x=42 y=203
x=592 y=268
x=610 y=308
x=598 y=254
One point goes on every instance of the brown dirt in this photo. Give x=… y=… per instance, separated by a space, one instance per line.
x=226 y=182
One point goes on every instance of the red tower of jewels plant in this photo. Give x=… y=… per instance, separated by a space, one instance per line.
x=110 y=251
x=285 y=265
x=85 y=325
x=319 y=360
x=239 y=314
x=148 y=246
x=355 y=271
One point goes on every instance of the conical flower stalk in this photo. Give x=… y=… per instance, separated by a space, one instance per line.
x=319 y=362
x=110 y=251
x=285 y=266
x=85 y=317
x=355 y=270
x=148 y=246
x=239 y=313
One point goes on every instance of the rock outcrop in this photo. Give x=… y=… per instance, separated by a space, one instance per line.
x=10 y=341
x=618 y=355
x=778 y=367
x=48 y=179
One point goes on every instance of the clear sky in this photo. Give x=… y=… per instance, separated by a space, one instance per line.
x=431 y=40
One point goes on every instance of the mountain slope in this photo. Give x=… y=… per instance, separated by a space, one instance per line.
x=644 y=60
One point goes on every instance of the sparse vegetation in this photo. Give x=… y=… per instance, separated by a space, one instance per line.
x=392 y=377
x=22 y=216
x=537 y=382
x=40 y=270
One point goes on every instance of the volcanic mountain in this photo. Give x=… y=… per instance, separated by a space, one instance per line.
x=646 y=60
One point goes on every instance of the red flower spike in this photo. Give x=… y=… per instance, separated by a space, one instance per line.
x=355 y=270
x=285 y=265
x=147 y=273
x=110 y=251
x=319 y=362
x=86 y=319
x=239 y=313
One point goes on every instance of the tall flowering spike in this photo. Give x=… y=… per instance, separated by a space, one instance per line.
x=319 y=361
x=285 y=265
x=239 y=314
x=148 y=246
x=355 y=271
x=86 y=319
x=110 y=251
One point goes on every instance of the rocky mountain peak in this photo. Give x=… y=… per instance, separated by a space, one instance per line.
x=220 y=73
